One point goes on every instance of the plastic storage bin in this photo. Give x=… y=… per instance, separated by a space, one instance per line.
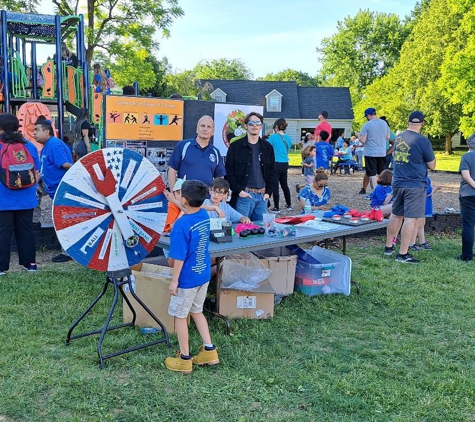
x=331 y=275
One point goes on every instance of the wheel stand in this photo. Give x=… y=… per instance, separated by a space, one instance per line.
x=118 y=279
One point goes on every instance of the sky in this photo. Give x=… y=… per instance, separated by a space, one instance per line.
x=266 y=35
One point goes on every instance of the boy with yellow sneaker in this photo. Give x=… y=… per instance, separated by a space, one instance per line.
x=189 y=243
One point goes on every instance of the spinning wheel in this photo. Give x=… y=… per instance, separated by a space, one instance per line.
x=108 y=212
x=109 y=209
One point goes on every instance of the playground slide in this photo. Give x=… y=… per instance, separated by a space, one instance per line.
x=27 y=114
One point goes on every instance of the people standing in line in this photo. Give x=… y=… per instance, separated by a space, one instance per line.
x=189 y=248
x=55 y=161
x=467 y=199
x=250 y=170
x=17 y=205
x=281 y=144
x=413 y=157
x=82 y=134
x=323 y=125
x=373 y=135
x=196 y=158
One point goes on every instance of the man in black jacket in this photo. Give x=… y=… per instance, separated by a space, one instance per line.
x=250 y=170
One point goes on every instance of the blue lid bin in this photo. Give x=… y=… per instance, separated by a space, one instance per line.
x=331 y=275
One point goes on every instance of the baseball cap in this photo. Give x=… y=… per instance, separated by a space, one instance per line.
x=178 y=183
x=369 y=112
x=324 y=114
x=416 y=117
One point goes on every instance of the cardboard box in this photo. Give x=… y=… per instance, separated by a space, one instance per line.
x=282 y=263
x=258 y=304
x=151 y=286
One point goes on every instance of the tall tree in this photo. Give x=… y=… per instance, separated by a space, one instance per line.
x=414 y=81
x=112 y=23
x=302 y=78
x=458 y=72
x=364 y=48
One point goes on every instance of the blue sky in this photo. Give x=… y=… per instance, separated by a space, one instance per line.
x=267 y=35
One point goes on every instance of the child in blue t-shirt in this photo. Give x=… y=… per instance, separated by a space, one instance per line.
x=421 y=222
x=217 y=207
x=382 y=195
x=317 y=192
x=189 y=247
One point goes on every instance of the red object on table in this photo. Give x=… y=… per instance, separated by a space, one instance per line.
x=294 y=220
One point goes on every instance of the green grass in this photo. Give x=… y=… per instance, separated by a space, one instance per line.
x=403 y=350
x=445 y=162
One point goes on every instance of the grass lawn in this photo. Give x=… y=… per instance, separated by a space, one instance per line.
x=444 y=162
x=403 y=350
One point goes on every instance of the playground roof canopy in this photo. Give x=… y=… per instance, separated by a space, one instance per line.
x=42 y=28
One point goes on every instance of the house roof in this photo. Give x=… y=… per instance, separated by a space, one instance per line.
x=297 y=102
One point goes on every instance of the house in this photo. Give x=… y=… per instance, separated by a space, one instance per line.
x=299 y=105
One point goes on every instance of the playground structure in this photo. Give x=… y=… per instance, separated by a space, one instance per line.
x=51 y=83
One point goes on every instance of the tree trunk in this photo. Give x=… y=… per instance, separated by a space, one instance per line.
x=448 y=143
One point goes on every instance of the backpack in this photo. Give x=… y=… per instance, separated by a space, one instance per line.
x=17 y=166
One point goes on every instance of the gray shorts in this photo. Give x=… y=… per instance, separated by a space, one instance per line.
x=188 y=300
x=409 y=202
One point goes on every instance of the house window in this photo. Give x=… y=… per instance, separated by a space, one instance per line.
x=274 y=101
x=219 y=95
x=218 y=98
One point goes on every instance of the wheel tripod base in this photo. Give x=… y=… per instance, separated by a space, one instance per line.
x=118 y=279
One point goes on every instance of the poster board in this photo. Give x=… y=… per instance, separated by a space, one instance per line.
x=229 y=123
x=143 y=119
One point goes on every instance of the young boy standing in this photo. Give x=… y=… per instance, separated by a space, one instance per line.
x=191 y=273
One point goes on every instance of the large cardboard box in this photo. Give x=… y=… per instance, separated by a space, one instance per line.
x=258 y=304
x=151 y=286
x=282 y=263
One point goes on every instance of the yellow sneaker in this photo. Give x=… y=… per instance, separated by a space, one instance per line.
x=185 y=366
x=206 y=357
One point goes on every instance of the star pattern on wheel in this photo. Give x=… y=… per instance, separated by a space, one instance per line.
x=114 y=161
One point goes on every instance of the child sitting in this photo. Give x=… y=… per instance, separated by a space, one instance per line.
x=217 y=206
x=189 y=247
x=421 y=222
x=317 y=193
x=382 y=195
x=345 y=155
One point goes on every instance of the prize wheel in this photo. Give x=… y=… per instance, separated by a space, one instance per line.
x=109 y=209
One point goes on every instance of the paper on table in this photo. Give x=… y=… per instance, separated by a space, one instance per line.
x=318 y=225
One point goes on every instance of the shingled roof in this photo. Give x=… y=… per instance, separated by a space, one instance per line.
x=297 y=102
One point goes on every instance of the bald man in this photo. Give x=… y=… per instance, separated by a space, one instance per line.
x=196 y=158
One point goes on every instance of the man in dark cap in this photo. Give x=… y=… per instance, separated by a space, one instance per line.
x=323 y=125
x=412 y=157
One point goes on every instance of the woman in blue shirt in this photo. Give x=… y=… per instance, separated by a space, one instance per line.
x=16 y=205
x=281 y=144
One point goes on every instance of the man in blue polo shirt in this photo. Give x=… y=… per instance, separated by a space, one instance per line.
x=196 y=158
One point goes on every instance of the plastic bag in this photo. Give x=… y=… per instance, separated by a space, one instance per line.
x=281 y=230
x=243 y=272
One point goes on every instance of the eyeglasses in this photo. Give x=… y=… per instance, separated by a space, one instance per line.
x=320 y=185
x=216 y=192
x=254 y=123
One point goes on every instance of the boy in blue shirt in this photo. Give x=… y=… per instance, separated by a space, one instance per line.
x=189 y=244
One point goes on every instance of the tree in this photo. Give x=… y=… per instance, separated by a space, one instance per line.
x=458 y=74
x=232 y=69
x=364 y=48
x=189 y=82
x=113 y=24
x=25 y=6
x=302 y=78
x=414 y=81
